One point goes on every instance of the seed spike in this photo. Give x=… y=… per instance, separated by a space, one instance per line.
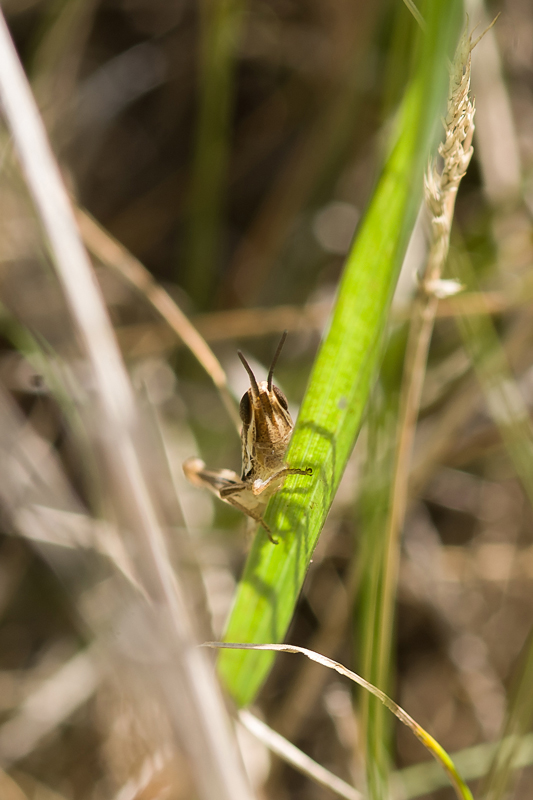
x=253 y=382
x=274 y=360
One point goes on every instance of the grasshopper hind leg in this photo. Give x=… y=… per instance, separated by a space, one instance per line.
x=269 y=532
x=255 y=515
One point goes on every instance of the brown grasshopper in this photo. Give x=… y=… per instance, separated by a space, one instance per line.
x=266 y=432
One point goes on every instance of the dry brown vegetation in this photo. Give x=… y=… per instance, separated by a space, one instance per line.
x=228 y=175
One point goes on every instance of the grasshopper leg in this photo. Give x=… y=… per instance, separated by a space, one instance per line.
x=254 y=515
x=259 y=486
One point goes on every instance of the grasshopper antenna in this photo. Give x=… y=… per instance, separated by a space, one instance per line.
x=247 y=367
x=274 y=360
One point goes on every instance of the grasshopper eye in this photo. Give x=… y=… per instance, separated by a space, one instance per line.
x=281 y=398
x=245 y=409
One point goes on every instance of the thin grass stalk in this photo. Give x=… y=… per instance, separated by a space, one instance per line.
x=379 y=588
x=464 y=403
x=221 y=22
x=48 y=706
x=438 y=752
x=372 y=512
x=10 y=790
x=56 y=59
x=299 y=760
x=497 y=145
x=111 y=253
x=250 y=323
x=441 y=191
x=472 y=762
x=194 y=702
x=416 y=13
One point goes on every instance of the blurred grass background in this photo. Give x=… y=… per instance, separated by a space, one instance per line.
x=233 y=147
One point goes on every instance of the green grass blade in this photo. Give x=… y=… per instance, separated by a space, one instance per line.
x=332 y=409
x=221 y=24
x=372 y=511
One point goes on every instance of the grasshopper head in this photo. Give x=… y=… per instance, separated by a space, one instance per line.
x=267 y=424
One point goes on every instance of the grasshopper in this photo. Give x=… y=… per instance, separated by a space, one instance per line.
x=266 y=432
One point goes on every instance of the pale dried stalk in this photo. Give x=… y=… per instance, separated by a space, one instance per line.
x=276 y=743
x=137 y=786
x=250 y=323
x=43 y=711
x=299 y=760
x=416 y=13
x=114 y=255
x=191 y=693
x=497 y=141
x=441 y=191
x=220 y=326
x=9 y=790
x=440 y=755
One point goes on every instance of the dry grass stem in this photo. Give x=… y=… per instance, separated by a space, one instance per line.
x=195 y=707
x=48 y=706
x=441 y=444
x=497 y=145
x=293 y=756
x=220 y=326
x=427 y=740
x=252 y=323
x=150 y=768
x=9 y=790
x=112 y=568
x=416 y=13
x=441 y=191
x=38 y=498
x=107 y=250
